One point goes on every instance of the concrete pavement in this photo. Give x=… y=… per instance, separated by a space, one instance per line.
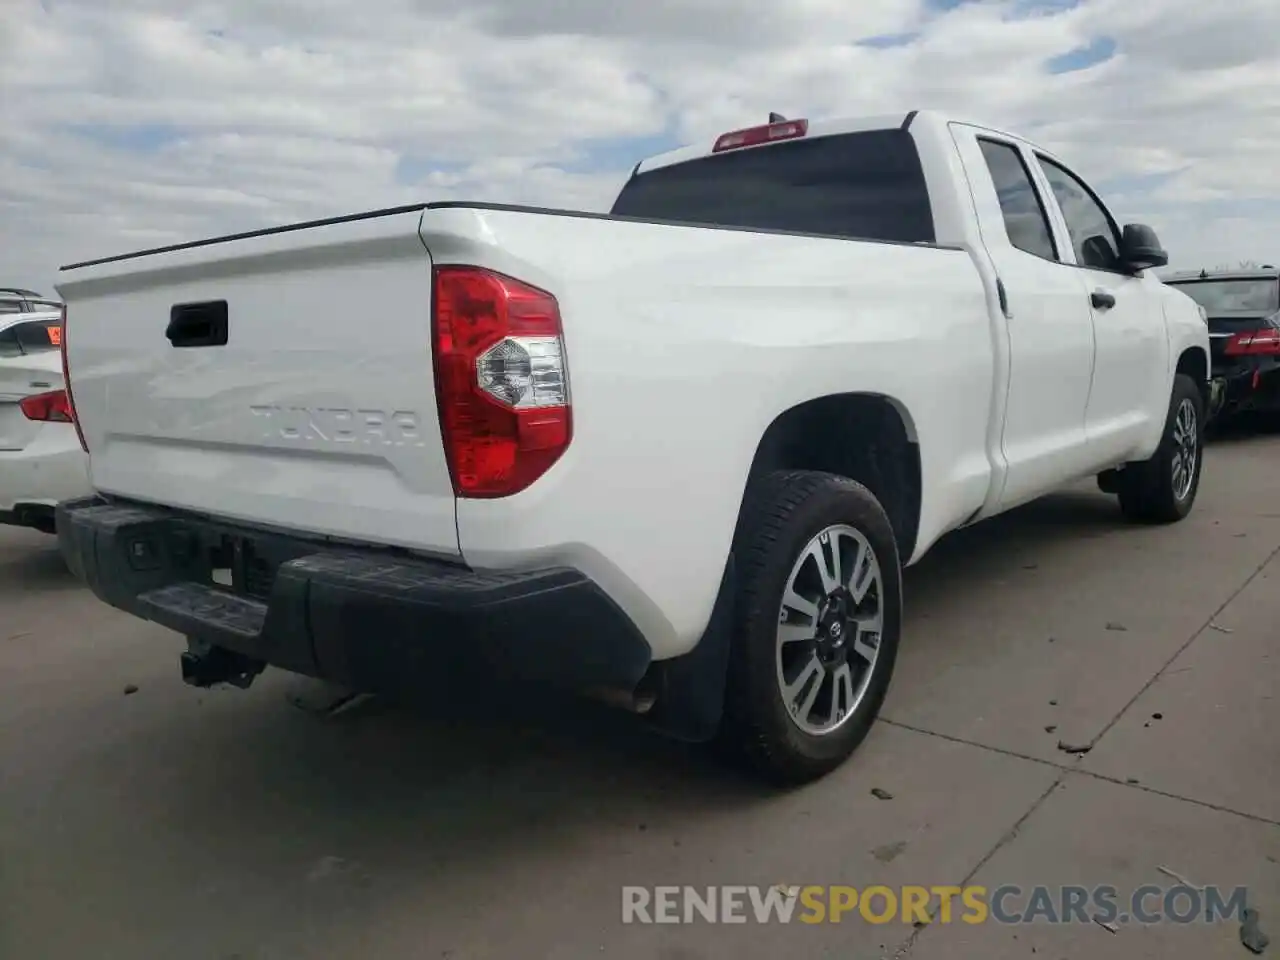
x=169 y=823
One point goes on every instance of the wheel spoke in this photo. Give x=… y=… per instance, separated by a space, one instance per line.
x=810 y=678
x=841 y=692
x=866 y=641
x=805 y=710
x=869 y=622
x=793 y=601
x=825 y=552
x=812 y=668
x=867 y=648
x=864 y=574
x=795 y=632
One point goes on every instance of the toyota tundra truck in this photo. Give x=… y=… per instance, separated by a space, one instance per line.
x=674 y=456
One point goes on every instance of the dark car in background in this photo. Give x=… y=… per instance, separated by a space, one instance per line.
x=1243 y=310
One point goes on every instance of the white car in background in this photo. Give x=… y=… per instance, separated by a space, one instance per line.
x=41 y=460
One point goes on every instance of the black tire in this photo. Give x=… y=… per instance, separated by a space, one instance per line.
x=782 y=513
x=1147 y=489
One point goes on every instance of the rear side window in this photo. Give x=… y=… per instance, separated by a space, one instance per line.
x=865 y=185
x=1024 y=217
x=35 y=336
x=38 y=336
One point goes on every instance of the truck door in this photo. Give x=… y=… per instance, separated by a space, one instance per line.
x=1129 y=396
x=1048 y=320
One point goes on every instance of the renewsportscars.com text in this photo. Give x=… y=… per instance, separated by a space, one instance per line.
x=1009 y=904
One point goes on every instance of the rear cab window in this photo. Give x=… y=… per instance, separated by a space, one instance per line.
x=867 y=185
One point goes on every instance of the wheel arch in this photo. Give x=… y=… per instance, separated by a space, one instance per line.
x=1194 y=362
x=868 y=437
x=879 y=448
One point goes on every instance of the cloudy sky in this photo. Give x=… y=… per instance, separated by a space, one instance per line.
x=131 y=123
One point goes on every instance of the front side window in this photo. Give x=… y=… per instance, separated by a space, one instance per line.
x=1024 y=216
x=1093 y=234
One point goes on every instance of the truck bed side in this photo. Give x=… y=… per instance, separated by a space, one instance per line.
x=683 y=344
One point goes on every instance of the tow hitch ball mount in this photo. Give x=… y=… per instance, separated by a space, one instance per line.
x=206 y=665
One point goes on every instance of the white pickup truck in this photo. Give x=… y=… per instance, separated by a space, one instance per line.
x=674 y=456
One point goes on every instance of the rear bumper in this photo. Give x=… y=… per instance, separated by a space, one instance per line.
x=50 y=469
x=371 y=619
x=1252 y=384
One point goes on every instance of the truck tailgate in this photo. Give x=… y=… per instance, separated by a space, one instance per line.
x=281 y=378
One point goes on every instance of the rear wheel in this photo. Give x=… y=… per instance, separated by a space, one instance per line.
x=1163 y=488
x=818 y=616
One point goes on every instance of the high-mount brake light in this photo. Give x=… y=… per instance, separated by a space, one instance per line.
x=66 y=379
x=51 y=407
x=754 y=136
x=501 y=380
x=1253 y=343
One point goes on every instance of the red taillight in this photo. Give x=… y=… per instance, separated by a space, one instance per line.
x=501 y=380
x=1254 y=343
x=54 y=407
x=753 y=136
x=66 y=380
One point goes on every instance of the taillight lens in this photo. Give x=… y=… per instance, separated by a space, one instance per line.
x=66 y=380
x=1254 y=343
x=501 y=380
x=53 y=407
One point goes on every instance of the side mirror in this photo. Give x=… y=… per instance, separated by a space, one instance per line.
x=1140 y=248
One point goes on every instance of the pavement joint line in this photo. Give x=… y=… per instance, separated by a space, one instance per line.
x=905 y=948
x=908 y=945
x=1074 y=768
x=1184 y=646
x=1146 y=788
x=952 y=738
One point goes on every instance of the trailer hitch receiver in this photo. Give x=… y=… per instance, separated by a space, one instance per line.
x=207 y=666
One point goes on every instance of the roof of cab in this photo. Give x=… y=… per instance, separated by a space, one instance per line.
x=817 y=128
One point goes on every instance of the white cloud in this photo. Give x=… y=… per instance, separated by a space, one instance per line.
x=147 y=121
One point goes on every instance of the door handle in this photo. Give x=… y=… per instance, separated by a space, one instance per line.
x=1102 y=300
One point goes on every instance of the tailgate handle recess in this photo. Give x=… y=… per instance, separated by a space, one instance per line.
x=198 y=324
